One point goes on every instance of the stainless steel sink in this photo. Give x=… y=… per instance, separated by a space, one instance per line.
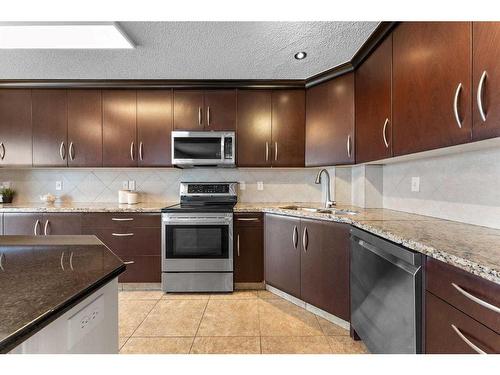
x=333 y=211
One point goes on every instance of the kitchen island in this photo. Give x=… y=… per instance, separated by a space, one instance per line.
x=59 y=294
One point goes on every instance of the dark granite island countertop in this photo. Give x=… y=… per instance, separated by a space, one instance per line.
x=42 y=277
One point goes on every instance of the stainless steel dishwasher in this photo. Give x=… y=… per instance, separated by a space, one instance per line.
x=386 y=294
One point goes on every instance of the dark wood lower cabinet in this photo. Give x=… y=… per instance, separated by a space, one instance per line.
x=22 y=224
x=62 y=224
x=145 y=269
x=248 y=248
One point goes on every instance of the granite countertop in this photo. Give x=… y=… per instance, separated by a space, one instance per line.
x=84 y=207
x=37 y=286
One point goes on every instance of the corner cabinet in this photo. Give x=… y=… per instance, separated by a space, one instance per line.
x=330 y=122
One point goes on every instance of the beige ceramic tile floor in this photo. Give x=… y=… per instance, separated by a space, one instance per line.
x=244 y=322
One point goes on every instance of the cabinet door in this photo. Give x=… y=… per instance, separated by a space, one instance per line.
x=282 y=253
x=254 y=128
x=50 y=128
x=330 y=122
x=84 y=128
x=249 y=248
x=154 y=127
x=220 y=110
x=188 y=110
x=288 y=128
x=62 y=224
x=15 y=127
x=374 y=105
x=325 y=266
x=431 y=85
x=119 y=128
x=27 y=224
x=486 y=78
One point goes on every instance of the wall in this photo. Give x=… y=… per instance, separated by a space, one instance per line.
x=160 y=185
x=462 y=187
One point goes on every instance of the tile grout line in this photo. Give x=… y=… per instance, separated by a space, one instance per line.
x=199 y=324
x=258 y=317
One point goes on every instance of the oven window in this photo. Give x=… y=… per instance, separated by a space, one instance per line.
x=197 y=148
x=203 y=241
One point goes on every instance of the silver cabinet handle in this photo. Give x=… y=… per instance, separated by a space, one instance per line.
x=141 y=156
x=35 y=228
x=132 y=147
x=455 y=105
x=2 y=155
x=247 y=219
x=479 y=98
x=384 y=133
x=294 y=237
x=71 y=151
x=275 y=150
x=122 y=234
x=62 y=151
x=349 y=145
x=46 y=227
x=129 y=262
x=208 y=116
x=238 y=244
x=1 y=262
x=62 y=261
x=200 y=116
x=71 y=261
x=267 y=151
x=476 y=299
x=122 y=218
x=305 y=240
x=469 y=343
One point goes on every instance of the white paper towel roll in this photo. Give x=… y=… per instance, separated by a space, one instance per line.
x=123 y=196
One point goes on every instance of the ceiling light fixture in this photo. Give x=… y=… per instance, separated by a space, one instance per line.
x=63 y=35
x=300 y=55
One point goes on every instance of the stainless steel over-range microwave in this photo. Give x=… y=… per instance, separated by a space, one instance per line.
x=192 y=149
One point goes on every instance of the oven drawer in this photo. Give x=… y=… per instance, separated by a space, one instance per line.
x=120 y=220
x=465 y=292
x=197 y=282
x=126 y=242
x=449 y=331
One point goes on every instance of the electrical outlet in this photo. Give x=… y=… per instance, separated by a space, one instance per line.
x=260 y=185
x=131 y=185
x=85 y=320
x=415 y=184
x=58 y=185
x=124 y=185
x=242 y=185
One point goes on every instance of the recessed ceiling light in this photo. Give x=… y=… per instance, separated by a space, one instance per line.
x=63 y=35
x=300 y=55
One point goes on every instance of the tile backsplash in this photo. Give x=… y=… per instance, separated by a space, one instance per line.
x=159 y=185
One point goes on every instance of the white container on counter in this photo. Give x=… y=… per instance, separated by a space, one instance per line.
x=123 y=196
x=132 y=198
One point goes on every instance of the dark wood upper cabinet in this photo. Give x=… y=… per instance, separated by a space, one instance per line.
x=189 y=110
x=15 y=127
x=249 y=248
x=431 y=85
x=374 y=105
x=220 y=110
x=288 y=128
x=119 y=128
x=486 y=80
x=325 y=266
x=330 y=122
x=84 y=128
x=154 y=127
x=50 y=128
x=254 y=128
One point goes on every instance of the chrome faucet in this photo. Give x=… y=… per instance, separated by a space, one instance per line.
x=328 y=203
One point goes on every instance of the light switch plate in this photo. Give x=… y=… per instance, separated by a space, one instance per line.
x=242 y=185
x=260 y=185
x=58 y=185
x=131 y=185
x=415 y=184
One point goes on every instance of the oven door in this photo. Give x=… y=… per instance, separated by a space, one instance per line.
x=197 y=243
x=197 y=148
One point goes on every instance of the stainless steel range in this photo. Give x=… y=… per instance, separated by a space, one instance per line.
x=197 y=239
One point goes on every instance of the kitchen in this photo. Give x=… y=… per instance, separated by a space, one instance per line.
x=334 y=209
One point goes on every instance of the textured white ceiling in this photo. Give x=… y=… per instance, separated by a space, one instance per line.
x=200 y=50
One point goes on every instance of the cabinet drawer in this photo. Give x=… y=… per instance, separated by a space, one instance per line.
x=130 y=242
x=248 y=219
x=449 y=331
x=462 y=290
x=145 y=269
x=120 y=220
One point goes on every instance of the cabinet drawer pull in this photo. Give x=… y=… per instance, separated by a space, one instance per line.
x=141 y=153
x=208 y=116
x=275 y=150
x=238 y=244
x=479 y=98
x=62 y=151
x=62 y=261
x=71 y=261
x=132 y=151
x=200 y=116
x=35 y=228
x=122 y=234
x=305 y=240
x=384 y=133
x=71 y=151
x=267 y=151
x=129 y=262
x=247 y=219
x=349 y=145
x=46 y=228
x=122 y=218
x=469 y=343
x=455 y=105
x=2 y=154
x=476 y=299
x=295 y=236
